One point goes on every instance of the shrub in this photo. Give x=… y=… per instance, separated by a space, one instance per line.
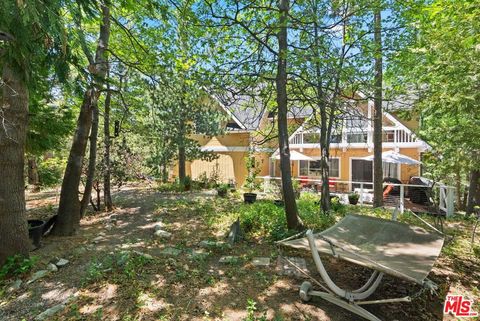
x=187 y=183
x=264 y=218
x=50 y=172
x=337 y=207
x=17 y=265
x=169 y=187
x=203 y=180
x=222 y=190
x=253 y=169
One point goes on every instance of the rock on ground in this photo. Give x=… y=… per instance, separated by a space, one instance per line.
x=52 y=267
x=62 y=262
x=261 y=261
x=293 y=266
x=163 y=234
x=15 y=286
x=229 y=259
x=50 y=312
x=38 y=275
x=171 y=251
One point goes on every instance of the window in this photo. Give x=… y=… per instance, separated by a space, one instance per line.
x=356 y=122
x=356 y=137
x=336 y=138
x=388 y=136
x=334 y=165
x=303 y=168
x=313 y=169
x=311 y=138
x=390 y=170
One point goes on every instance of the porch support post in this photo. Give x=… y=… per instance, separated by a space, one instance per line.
x=402 y=199
x=361 y=193
x=450 y=200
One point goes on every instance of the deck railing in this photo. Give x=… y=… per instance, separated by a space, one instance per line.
x=390 y=136
x=446 y=194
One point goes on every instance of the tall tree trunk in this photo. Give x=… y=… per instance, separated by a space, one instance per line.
x=282 y=101
x=458 y=185
x=324 y=134
x=472 y=190
x=324 y=150
x=92 y=162
x=181 y=164
x=181 y=152
x=107 y=195
x=68 y=218
x=33 y=173
x=69 y=206
x=13 y=122
x=377 y=117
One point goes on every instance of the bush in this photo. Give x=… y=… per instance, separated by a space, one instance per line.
x=169 y=187
x=263 y=218
x=50 y=172
x=17 y=265
x=187 y=183
x=222 y=189
x=309 y=211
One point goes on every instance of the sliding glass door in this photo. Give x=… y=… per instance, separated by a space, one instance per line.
x=362 y=171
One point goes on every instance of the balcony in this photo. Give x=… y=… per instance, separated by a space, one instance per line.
x=356 y=137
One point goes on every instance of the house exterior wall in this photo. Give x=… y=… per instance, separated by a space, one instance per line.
x=233 y=149
x=406 y=171
x=228 y=139
x=229 y=162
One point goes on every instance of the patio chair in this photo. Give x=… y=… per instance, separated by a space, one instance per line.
x=332 y=183
x=384 y=246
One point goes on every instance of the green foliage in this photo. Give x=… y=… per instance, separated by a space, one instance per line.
x=222 y=189
x=265 y=219
x=353 y=197
x=124 y=264
x=438 y=65
x=187 y=183
x=253 y=168
x=309 y=211
x=338 y=207
x=251 y=309
x=17 y=265
x=169 y=187
x=208 y=182
x=49 y=124
x=50 y=171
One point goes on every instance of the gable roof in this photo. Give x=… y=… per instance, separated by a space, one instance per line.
x=246 y=111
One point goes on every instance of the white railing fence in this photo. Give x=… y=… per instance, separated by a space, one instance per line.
x=446 y=194
x=389 y=136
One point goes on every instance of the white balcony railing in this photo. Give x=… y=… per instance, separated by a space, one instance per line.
x=396 y=136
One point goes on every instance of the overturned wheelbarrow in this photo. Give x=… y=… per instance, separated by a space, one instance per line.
x=35 y=231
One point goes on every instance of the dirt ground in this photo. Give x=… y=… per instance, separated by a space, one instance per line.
x=182 y=287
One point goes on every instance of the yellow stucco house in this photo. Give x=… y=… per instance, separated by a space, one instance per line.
x=247 y=128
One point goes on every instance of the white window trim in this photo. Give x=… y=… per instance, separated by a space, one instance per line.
x=399 y=170
x=319 y=158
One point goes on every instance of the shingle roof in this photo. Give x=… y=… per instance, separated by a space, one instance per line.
x=400 y=102
x=249 y=110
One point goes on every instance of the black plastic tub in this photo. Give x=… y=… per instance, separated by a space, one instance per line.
x=35 y=231
x=249 y=198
